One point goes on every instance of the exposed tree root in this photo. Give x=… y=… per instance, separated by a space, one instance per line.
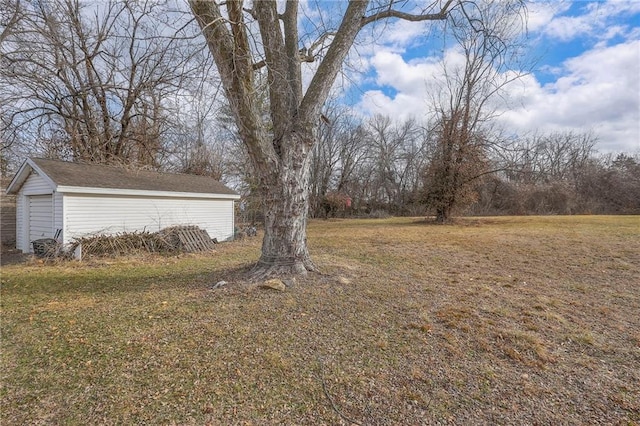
x=280 y=267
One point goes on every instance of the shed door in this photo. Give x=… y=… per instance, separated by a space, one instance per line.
x=40 y=217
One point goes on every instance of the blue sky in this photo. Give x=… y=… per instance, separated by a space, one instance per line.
x=586 y=78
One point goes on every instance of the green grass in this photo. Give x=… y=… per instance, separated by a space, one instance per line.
x=510 y=320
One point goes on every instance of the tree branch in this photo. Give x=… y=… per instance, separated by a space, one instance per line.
x=276 y=57
x=392 y=13
x=232 y=54
x=311 y=52
x=8 y=27
x=290 y=21
x=328 y=69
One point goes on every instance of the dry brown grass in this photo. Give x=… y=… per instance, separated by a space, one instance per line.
x=489 y=321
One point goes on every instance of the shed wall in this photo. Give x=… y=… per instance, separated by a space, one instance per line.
x=21 y=210
x=34 y=185
x=58 y=212
x=87 y=214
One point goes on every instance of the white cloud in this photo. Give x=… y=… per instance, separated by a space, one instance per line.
x=392 y=70
x=596 y=22
x=402 y=33
x=599 y=90
x=412 y=81
x=567 y=28
x=541 y=13
x=611 y=8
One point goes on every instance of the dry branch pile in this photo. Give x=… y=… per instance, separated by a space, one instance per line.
x=168 y=240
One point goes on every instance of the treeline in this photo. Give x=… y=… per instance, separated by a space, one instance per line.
x=386 y=167
x=380 y=167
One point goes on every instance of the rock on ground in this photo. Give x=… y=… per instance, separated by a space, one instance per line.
x=274 y=284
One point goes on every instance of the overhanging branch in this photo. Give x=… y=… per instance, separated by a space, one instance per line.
x=392 y=13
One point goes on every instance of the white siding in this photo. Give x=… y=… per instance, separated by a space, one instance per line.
x=58 y=211
x=36 y=185
x=86 y=214
x=22 y=233
x=40 y=217
x=33 y=185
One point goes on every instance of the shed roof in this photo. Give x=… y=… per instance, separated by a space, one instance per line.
x=84 y=175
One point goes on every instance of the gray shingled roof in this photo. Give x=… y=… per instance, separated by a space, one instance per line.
x=64 y=173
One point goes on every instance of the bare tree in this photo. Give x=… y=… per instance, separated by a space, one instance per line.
x=397 y=152
x=334 y=157
x=242 y=40
x=546 y=171
x=10 y=14
x=196 y=143
x=546 y=158
x=95 y=78
x=486 y=35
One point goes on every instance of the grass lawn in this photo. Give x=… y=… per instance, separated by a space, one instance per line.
x=516 y=320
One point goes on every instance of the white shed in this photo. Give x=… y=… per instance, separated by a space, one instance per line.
x=75 y=199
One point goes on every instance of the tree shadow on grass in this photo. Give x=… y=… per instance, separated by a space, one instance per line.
x=114 y=276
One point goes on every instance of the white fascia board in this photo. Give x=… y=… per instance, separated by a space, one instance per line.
x=144 y=193
x=19 y=178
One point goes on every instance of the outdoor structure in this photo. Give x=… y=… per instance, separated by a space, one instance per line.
x=63 y=200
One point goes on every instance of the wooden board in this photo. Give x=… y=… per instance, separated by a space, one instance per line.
x=191 y=238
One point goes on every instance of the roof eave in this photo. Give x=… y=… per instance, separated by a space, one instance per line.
x=143 y=192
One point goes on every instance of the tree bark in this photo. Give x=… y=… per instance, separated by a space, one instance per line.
x=286 y=204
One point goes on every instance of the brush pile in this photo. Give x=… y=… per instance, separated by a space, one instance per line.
x=168 y=240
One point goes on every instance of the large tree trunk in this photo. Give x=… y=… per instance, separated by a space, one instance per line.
x=285 y=192
x=284 y=247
